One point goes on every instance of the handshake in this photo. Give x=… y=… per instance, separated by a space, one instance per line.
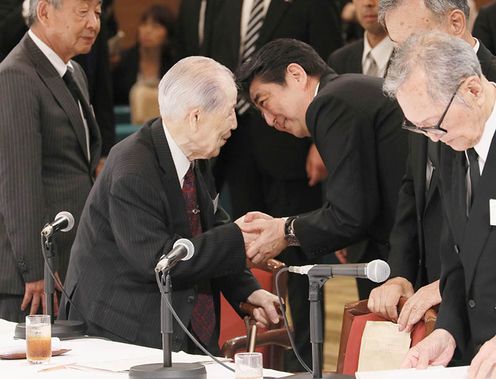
x=263 y=235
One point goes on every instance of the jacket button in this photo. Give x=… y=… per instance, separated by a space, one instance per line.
x=457 y=250
x=191 y=299
x=471 y=303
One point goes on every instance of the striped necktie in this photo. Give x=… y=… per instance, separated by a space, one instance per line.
x=252 y=33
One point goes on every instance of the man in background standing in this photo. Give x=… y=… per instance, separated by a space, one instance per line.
x=49 y=144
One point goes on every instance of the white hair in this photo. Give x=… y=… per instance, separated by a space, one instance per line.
x=194 y=82
x=31 y=15
x=445 y=60
x=438 y=7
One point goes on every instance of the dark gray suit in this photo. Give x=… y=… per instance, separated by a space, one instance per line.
x=135 y=213
x=43 y=164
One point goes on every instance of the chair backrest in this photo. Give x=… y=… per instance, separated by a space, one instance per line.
x=355 y=316
x=234 y=331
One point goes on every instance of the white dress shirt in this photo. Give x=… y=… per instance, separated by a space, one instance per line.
x=381 y=54
x=181 y=162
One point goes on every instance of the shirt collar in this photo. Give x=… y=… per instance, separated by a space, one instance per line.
x=476 y=46
x=181 y=162
x=381 y=52
x=51 y=55
x=482 y=147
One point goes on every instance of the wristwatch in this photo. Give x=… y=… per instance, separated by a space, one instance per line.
x=289 y=232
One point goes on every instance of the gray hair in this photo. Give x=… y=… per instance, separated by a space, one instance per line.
x=194 y=82
x=446 y=61
x=439 y=8
x=32 y=16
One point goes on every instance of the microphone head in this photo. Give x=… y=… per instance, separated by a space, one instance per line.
x=190 y=248
x=378 y=271
x=70 y=220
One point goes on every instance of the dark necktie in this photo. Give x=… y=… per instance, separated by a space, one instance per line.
x=87 y=112
x=203 y=315
x=252 y=33
x=473 y=159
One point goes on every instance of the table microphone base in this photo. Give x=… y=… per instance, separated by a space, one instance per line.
x=60 y=329
x=177 y=371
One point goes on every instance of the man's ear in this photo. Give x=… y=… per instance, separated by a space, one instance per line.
x=194 y=119
x=457 y=23
x=42 y=12
x=296 y=73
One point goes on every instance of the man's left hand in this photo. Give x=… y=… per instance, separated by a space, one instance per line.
x=483 y=366
x=266 y=312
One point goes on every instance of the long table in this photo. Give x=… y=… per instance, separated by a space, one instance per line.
x=99 y=358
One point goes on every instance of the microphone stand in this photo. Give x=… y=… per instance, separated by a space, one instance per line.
x=60 y=328
x=167 y=369
x=316 y=331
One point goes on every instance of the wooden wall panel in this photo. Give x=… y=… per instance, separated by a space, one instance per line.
x=128 y=13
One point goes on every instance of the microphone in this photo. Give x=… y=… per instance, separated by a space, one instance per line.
x=182 y=250
x=64 y=221
x=377 y=271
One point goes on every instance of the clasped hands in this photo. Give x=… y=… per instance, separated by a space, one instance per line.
x=263 y=236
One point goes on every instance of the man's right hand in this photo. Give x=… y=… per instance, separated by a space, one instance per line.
x=436 y=349
x=34 y=293
x=385 y=298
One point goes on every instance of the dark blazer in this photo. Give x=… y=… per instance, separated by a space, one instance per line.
x=468 y=283
x=357 y=131
x=347 y=59
x=133 y=215
x=43 y=161
x=415 y=238
x=485 y=27
x=314 y=22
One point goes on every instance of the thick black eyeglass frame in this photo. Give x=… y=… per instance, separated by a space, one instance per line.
x=436 y=129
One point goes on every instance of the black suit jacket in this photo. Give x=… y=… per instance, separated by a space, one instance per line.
x=134 y=214
x=485 y=27
x=315 y=22
x=43 y=161
x=468 y=283
x=357 y=131
x=347 y=59
x=415 y=238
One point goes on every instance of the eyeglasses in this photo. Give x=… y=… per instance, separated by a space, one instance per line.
x=436 y=129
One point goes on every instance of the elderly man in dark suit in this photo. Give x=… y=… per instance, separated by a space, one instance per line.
x=356 y=130
x=49 y=144
x=454 y=104
x=156 y=187
x=414 y=257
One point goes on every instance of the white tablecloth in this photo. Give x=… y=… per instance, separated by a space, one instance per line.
x=98 y=358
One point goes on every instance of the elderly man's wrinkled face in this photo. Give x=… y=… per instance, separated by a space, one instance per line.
x=213 y=129
x=463 y=120
x=411 y=17
x=72 y=28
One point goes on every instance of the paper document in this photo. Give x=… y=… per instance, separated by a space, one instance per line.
x=383 y=346
x=412 y=373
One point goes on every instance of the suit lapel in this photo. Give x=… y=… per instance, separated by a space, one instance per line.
x=170 y=181
x=478 y=228
x=453 y=190
x=57 y=87
x=419 y=163
x=277 y=9
x=204 y=196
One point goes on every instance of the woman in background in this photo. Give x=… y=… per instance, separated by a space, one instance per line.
x=147 y=61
